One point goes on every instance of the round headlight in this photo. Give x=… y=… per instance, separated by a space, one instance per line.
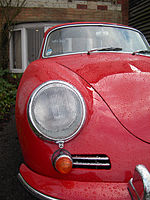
x=56 y=111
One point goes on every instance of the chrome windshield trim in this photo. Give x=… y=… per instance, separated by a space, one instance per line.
x=36 y=193
x=86 y=24
x=85 y=52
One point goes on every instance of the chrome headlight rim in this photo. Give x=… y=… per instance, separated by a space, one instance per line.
x=35 y=129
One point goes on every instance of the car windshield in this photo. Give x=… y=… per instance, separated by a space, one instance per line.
x=84 y=38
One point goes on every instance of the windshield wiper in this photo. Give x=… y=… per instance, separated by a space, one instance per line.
x=105 y=49
x=140 y=52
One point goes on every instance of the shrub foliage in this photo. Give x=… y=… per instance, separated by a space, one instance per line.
x=8 y=88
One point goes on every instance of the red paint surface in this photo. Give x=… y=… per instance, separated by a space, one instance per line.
x=67 y=190
x=117 y=122
x=102 y=132
x=125 y=91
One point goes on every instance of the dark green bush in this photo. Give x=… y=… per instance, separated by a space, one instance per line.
x=8 y=87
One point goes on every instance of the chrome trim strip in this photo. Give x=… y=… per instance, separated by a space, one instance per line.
x=86 y=24
x=133 y=188
x=142 y=176
x=90 y=158
x=85 y=52
x=91 y=164
x=100 y=161
x=36 y=193
x=145 y=176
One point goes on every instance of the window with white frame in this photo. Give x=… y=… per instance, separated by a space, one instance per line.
x=25 y=44
x=18 y=50
x=16 y=39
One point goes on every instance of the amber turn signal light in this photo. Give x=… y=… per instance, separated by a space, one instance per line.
x=62 y=161
x=63 y=164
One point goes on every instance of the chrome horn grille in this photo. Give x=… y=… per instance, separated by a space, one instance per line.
x=97 y=161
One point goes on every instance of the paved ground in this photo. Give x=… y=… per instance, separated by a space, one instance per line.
x=10 y=159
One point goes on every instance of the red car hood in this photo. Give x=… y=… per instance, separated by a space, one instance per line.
x=123 y=81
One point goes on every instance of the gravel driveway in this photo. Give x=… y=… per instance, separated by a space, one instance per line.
x=10 y=159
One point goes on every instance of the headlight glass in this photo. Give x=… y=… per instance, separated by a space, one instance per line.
x=56 y=110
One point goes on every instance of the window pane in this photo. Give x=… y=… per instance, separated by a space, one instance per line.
x=83 y=38
x=35 y=37
x=17 y=61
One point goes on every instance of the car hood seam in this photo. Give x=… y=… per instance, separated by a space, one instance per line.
x=130 y=132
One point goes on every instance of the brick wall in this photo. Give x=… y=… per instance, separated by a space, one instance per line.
x=125 y=11
x=74 y=10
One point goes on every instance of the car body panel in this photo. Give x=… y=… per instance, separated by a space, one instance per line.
x=115 y=88
x=123 y=82
x=64 y=189
x=96 y=136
